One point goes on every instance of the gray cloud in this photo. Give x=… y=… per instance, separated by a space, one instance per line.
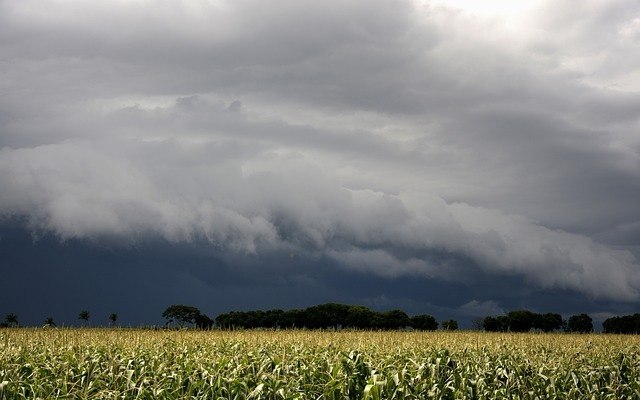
x=388 y=138
x=477 y=308
x=79 y=191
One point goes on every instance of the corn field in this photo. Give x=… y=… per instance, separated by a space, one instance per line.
x=139 y=364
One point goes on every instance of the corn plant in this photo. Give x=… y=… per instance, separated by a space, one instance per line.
x=142 y=364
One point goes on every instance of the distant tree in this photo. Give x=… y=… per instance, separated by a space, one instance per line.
x=503 y=321
x=255 y=319
x=496 y=324
x=491 y=324
x=613 y=325
x=393 y=319
x=113 y=318
x=450 y=325
x=548 y=322
x=181 y=314
x=84 y=315
x=204 y=322
x=11 y=320
x=521 y=320
x=626 y=324
x=424 y=323
x=328 y=315
x=295 y=318
x=581 y=323
x=231 y=320
x=565 y=326
x=273 y=318
x=360 y=317
x=49 y=321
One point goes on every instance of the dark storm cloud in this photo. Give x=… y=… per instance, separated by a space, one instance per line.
x=139 y=281
x=384 y=139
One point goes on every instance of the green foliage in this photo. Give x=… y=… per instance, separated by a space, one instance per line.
x=628 y=324
x=113 y=318
x=581 y=323
x=84 y=315
x=424 y=323
x=11 y=320
x=180 y=314
x=548 y=322
x=135 y=364
x=496 y=324
x=450 y=325
x=323 y=316
x=203 y=322
x=360 y=317
x=394 y=319
x=523 y=321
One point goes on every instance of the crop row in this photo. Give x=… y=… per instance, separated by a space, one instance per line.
x=132 y=364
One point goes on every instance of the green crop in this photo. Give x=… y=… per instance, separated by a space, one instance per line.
x=138 y=364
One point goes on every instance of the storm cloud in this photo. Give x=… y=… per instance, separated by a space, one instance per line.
x=398 y=139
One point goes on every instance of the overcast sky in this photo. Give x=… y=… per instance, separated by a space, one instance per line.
x=458 y=158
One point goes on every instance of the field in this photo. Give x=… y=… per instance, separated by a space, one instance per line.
x=138 y=364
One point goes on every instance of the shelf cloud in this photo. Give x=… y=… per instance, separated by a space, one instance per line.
x=392 y=138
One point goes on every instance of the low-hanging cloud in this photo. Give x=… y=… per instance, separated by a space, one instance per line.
x=390 y=138
x=82 y=191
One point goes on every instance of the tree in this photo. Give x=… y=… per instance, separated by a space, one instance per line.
x=233 y=320
x=521 y=320
x=295 y=318
x=581 y=323
x=181 y=314
x=394 y=319
x=203 y=322
x=273 y=318
x=11 y=320
x=548 y=322
x=84 y=315
x=359 y=317
x=627 y=324
x=113 y=317
x=503 y=322
x=491 y=324
x=330 y=315
x=49 y=322
x=424 y=323
x=450 y=325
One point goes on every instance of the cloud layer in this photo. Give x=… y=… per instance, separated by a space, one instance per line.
x=392 y=138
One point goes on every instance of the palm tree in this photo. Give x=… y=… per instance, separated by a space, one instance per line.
x=11 y=320
x=113 y=317
x=84 y=315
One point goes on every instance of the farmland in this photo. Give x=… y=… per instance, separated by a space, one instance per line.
x=144 y=364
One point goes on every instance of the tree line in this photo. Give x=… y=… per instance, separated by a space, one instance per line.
x=11 y=320
x=622 y=324
x=333 y=315
x=524 y=321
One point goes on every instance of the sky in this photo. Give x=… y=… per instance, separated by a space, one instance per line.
x=455 y=158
